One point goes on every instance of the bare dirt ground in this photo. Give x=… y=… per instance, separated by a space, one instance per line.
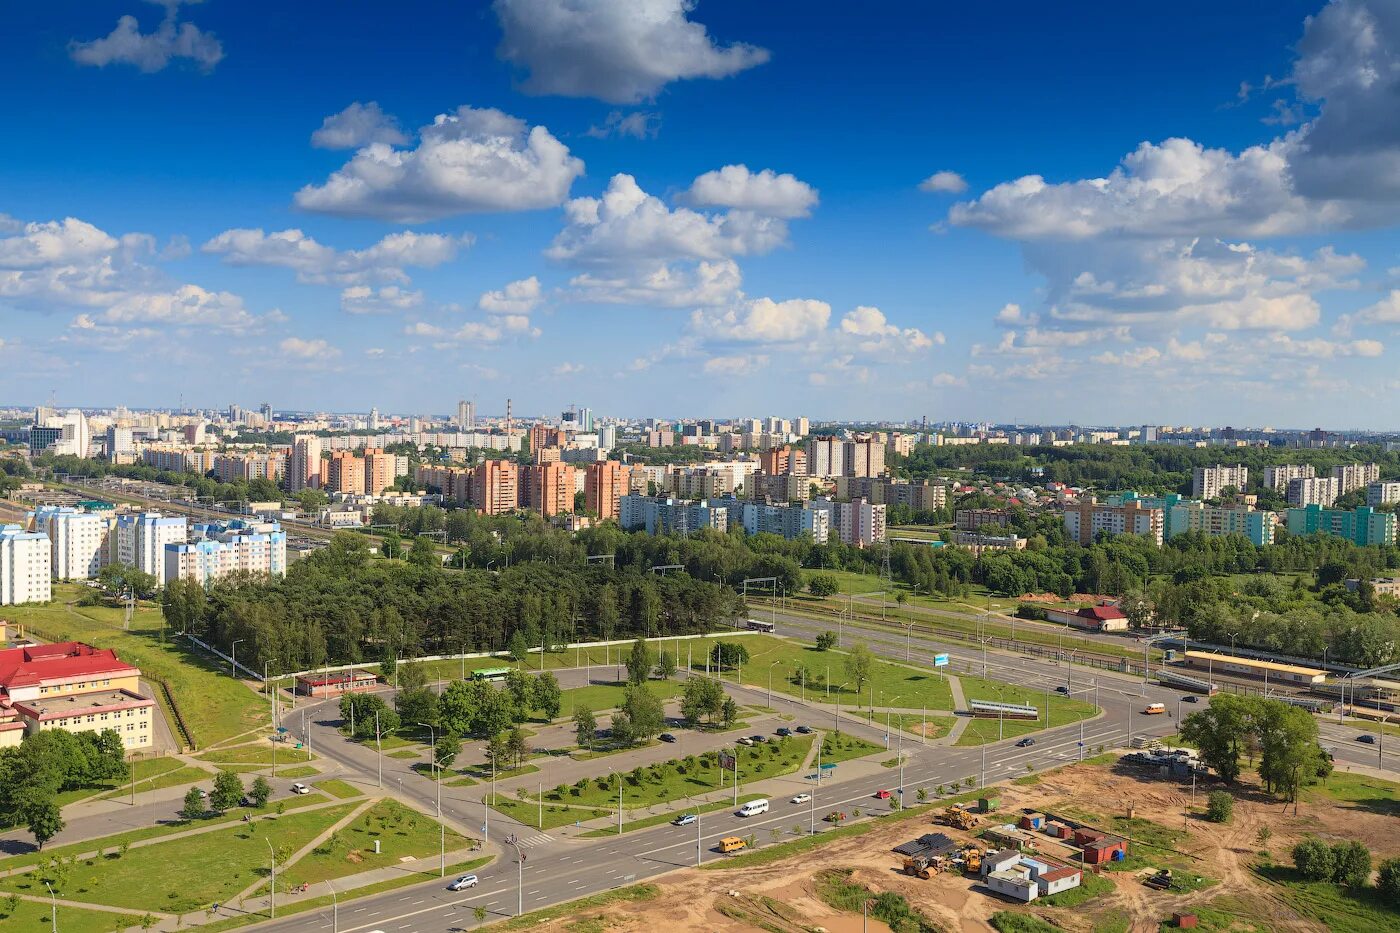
x=781 y=896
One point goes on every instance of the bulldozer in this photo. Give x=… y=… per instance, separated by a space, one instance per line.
x=972 y=860
x=956 y=816
x=923 y=866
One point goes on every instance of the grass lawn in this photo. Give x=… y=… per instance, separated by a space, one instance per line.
x=922 y=532
x=402 y=833
x=590 y=753
x=188 y=873
x=34 y=916
x=298 y=772
x=407 y=753
x=1370 y=793
x=554 y=816
x=1338 y=909
x=338 y=789
x=912 y=686
x=665 y=782
x=142 y=771
x=1221 y=915
x=1091 y=886
x=911 y=723
x=859 y=583
x=168 y=778
x=484 y=774
x=1062 y=712
x=1389 y=728
x=844 y=747
x=215 y=706
x=256 y=753
x=599 y=697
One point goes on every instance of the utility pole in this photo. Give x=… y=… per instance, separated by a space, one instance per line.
x=272 y=891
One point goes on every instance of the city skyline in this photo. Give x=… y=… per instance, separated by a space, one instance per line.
x=699 y=208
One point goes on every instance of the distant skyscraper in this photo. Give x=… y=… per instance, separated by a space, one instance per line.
x=266 y=410
x=374 y=419
x=1149 y=433
x=466 y=415
x=585 y=420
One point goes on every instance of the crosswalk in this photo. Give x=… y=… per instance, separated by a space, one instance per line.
x=534 y=839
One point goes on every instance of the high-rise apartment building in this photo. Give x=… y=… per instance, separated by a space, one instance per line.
x=141 y=539
x=1215 y=521
x=859 y=523
x=235 y=467
x=826 y=456
x=496 y=487
x=346 y=473
x=1084 y=520
x=788 y=521
x=1355 y=475
x=220 y=549
x=1277 y=478
x=923 y=496
x=1208 y=482
x=784 y=459
x=864 y=456
x=466 y=415
x=549 y=488
x=665 y=515
x=81 y=541
x=605 y=483
x=1315 y=490
x=25 y=566
x=1383 y=493
x=1362 y=526
x=379 y=470
x=304 y=471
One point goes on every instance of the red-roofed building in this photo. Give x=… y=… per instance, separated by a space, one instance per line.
x=72 y=686
x=1093 y=618
x=336 y=684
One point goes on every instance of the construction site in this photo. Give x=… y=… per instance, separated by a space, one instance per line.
x=1095 y=847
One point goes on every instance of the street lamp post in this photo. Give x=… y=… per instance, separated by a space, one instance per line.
x=379 y=753
x=770 y=683
x=838 y=706
x=619 y=798
x=233 y=658
x=54 y=900
x=335 y=908
x=272 y=891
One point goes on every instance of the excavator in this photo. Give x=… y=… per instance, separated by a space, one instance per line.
x=958 y=817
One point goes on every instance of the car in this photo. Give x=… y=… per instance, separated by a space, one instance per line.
x=203 y=794
x=300 y=788
x=759 y=738
x=744 y=740
x=804 y=730
x=666 y=737
x=784 y=732
x=1366 y=737
x=1191 y=699
x=1062 y=689
x=802 y=798
x=464 y=882
x=882 y=795
x=1025 y=743
x=685 y=819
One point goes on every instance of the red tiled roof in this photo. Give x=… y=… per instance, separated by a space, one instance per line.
x=35 y=664
x=1059 y=873
x=1103 y=613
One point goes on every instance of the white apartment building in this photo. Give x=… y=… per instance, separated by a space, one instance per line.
x=80 y=541
x=857 y=522
x=1319 y=490
x=1378 y=494
x=826 y=456
x=1207 y=482
x=25 y=575
x=251 y=547
x=1277 y=478
x=141 y=539
x=1355 y=475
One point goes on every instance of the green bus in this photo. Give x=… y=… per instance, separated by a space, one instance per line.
x=491 y=673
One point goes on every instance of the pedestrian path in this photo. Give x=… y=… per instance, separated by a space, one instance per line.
x=533 y=839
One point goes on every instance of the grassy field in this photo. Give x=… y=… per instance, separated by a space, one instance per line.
x=256 y=753
x=911 y=723
x=214 y=705
x=888 y=681
x=402 y=833
x=1062 y=713
x=169 y=778
x=660 y=784
x=34 y=916
x=843 y=747
x=187 y=873
x=339 y=789
x=599 y=697
x=1370 y=793
x=1338 y=909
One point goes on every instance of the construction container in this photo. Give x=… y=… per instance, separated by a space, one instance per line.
x=1059 y=830
x=988 y=804
x=1184 y=921
x=1032 y=821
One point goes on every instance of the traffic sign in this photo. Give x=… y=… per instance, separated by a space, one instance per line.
x=940 y=660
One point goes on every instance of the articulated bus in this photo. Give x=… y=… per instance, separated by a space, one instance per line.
x=491 y=673
x=756 y=626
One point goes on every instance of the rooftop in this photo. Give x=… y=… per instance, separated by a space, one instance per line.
x=36 y=664
x=83 y=704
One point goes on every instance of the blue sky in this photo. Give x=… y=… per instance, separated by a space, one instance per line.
x=666 y=208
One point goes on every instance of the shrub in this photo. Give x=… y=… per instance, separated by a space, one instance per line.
x=1351 y=864
x=1388 y=881
x=1314 y=860
x=1220 y=806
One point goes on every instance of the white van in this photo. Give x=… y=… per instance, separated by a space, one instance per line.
x=753 y=808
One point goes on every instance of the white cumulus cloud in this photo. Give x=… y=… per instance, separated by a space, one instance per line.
x=618 y=51
x=763 y=320
x=358 y=125
x=765 y=192
x=468 y=161
x=315 y=263
x=150 y=51
x=517 y=298
x=944 y=183
x=315 y=349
